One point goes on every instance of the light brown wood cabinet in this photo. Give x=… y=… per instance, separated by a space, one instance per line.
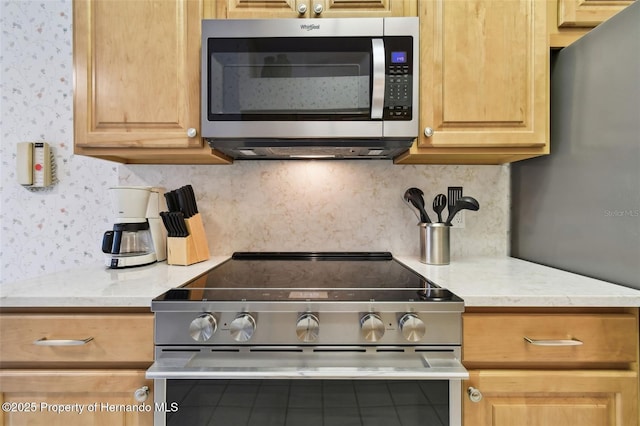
x=250 y=9
x=484 y=82
x=571 y=19
x=99 y=374
x=137 y=81
x=577 y=368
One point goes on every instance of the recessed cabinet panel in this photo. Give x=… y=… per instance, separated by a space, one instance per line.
x=588 y=13
x=131 y=65
x=344 y=8
x=249 y=9
x=588 y=398
x=487 y=85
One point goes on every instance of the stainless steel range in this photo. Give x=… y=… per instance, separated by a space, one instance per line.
x=306 y=339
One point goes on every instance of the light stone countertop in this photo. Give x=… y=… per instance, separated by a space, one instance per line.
x=97 y=286
x=511 y=282
x=483 y=281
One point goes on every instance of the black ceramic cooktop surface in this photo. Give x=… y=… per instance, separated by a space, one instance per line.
x=327 y=276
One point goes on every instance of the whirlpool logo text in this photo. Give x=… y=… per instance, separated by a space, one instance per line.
x=310 y=27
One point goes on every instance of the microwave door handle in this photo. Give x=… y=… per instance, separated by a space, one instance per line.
x=377 y=95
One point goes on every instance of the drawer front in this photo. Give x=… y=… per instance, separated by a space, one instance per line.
x=559 y=339
x=76 y=340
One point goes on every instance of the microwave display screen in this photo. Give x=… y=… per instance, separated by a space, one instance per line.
x=398 y=57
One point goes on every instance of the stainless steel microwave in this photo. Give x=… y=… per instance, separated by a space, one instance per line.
x=299 y=88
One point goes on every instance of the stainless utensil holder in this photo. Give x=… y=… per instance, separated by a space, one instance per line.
x=434 y=243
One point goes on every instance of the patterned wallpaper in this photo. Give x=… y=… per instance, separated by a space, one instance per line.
x=267 y=205
x=56 y=228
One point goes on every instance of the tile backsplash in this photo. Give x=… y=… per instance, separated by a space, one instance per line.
x=262 y=205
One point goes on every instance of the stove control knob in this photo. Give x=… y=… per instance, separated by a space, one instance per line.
x=203 y=327
x=242 y=327
x=307 y=328
x=372 y=327
x=412 y=327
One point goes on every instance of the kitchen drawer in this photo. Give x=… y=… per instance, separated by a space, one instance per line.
x=121 y=339
x=558 y=340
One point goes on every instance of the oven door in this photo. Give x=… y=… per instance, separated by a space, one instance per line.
x=291 y=386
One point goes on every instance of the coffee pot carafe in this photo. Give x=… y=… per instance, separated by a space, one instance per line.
x=137 y=237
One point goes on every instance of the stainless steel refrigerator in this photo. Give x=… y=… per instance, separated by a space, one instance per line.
x=578 y=209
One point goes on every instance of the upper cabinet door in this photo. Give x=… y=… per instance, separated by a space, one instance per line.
x=588 y=13
x=484 y=73
x=249 y=9
x=137 y=74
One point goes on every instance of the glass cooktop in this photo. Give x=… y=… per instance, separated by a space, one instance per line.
x=319 y=276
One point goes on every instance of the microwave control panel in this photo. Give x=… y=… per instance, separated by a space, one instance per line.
x=398 y=98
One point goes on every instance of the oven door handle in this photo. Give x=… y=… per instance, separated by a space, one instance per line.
x=436 y=365
x=377 y=91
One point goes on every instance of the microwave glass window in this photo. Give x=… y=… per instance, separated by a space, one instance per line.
x=290 y=79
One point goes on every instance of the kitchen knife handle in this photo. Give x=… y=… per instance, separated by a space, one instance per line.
x=62 y=342
x=560 y=342
x=172 y=201
x=192 y=196
x=183 y=203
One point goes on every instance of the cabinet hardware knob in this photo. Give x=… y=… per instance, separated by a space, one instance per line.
x=428 y=132
x=192 y=132
x=62 y=342
x=560 y=342
x=474 y=394
x=318 y=8
x=141 y=394
x=302 y=8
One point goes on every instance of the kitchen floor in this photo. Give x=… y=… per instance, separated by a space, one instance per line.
x=308 y=402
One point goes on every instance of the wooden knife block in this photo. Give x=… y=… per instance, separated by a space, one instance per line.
x=191 y=249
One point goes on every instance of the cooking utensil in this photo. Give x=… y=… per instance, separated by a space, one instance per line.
x=412 y=207
x=414 y=196
x=463 y=203
x=453 y=194
x=439 y=203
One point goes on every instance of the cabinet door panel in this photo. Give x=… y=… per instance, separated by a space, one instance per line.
x=542 y=398
x=103 y=396
x=250 y=9
x=588 y=13
x=484 y=78
x=137 y=80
